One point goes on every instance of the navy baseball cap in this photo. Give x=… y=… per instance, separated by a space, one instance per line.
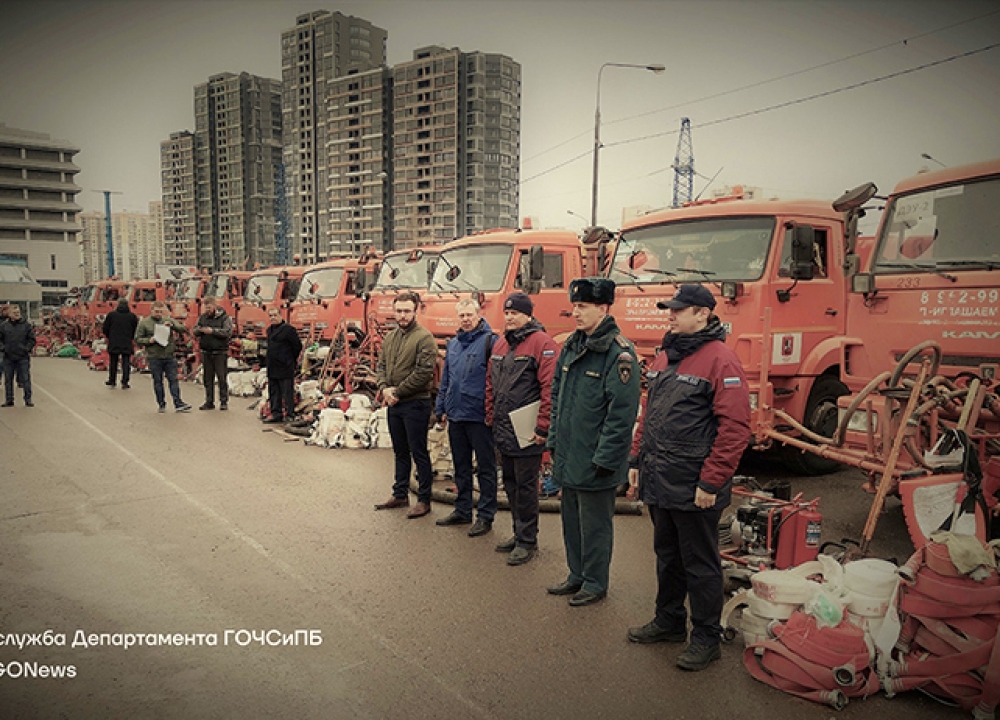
x=688 y=295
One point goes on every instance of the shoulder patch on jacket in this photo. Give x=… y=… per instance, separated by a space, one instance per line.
x=548 y=353
x=625 y=367
x=623 y=342
x=731 y=382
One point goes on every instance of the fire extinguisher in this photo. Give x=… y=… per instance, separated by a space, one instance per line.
x=798 y=536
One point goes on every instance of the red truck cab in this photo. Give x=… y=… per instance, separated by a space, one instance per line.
x=490 y=265
x=274 y=287
x=144 y=293
x=400 y=270
x=329 y=292
x=933 y=275
x=185 y=305
x=784 y=312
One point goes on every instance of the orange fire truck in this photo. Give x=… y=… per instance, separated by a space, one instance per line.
x=328 y=293
x=275 y=286
x=400 y=270
x=490 y=265
x=784 y=307
x=186 y=302
x=144 y=293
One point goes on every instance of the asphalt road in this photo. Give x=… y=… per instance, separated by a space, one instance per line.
x=119 y=520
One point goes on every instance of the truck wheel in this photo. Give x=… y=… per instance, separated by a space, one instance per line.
x=821 y=418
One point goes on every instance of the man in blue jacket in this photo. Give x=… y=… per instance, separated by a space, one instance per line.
x=461 y=401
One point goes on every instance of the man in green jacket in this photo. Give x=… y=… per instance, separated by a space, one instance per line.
x=595 y=398
x=160 y=353
x=405 y=376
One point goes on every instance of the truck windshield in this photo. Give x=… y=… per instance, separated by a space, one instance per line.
x=472 y=268
x=88 y=293
x=398 y=274
x=714 y=249
x=187 y=289
x=216 y=286
x=955 y=227
x=261 y=287
x=323 y=283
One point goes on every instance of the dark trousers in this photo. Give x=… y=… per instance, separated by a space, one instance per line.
x=588 y=534
x=21 y=368
x=213 y=366
x=280 y=391
x=520 y=482
x=688 y=565
x=467 y=438
x=161 y=367
x=408 y=430
x=126 y=359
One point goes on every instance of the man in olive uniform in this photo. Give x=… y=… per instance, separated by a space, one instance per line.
x=595 y=398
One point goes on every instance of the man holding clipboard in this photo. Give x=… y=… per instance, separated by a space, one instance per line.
x=155 y=334
x=518 y=403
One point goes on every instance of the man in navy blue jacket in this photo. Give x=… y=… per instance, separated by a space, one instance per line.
x=461 y=401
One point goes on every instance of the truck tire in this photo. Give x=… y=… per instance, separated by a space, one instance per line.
x=821 y=418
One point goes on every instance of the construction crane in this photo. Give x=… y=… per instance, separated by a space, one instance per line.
x=107 y=228
x=683 y=166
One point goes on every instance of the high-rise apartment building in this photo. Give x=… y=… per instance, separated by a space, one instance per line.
x=136 y=239
x=237 y=152
x=359 y=162
x=321 y=47
x=39 y=223
x=456 y=145
x=178 y=181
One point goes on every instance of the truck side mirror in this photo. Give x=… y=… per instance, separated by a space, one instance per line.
x=803 y=246
x=536 y=268
x=602 y=258
x=360 y=281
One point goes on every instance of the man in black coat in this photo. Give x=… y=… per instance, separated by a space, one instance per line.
x=17 y=337
x=119 y=329
x=283 y=348
x=213 y=330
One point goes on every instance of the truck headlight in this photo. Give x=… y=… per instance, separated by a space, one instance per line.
x=859 y=421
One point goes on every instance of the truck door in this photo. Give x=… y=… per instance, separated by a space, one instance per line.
x=552 y=306
x=813 y=310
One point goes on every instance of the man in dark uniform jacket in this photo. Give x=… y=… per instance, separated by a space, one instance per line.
x=520 y=373
x=283 y=348
x=213 y=330
x=595 y=398
x=119 y=328
x=695 y=429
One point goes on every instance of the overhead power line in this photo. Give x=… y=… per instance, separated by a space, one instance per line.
x=816 y=96
x=795 y=73
x=854 y=56
x=778 y=106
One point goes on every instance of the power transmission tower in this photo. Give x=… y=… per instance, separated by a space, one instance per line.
x=683 y=166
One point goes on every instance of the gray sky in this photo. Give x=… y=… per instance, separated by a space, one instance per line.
x=115 y=78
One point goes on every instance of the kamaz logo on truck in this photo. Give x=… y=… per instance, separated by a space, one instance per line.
x=966 y=335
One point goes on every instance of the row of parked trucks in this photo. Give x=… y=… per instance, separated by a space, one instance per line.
x=814 y=312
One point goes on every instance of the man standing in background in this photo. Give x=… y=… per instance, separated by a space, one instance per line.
x=17 y=338
x=119 y=328
x=160 y=353
x=282 y=359
x=213 y=330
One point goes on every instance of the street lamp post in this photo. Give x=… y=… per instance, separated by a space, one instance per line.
x=925 y=156
x=597 y=127
x=576 y=215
